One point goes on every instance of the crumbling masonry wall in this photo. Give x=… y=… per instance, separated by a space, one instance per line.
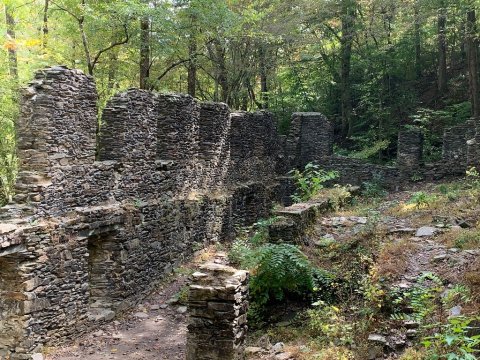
x=86 y=239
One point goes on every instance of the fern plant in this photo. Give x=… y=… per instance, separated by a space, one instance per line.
x=421 y=299
x=455 y=340
x=279 y=269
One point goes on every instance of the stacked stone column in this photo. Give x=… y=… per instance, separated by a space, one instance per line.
x=310 y=139
x=218 y=303
x=410 y=151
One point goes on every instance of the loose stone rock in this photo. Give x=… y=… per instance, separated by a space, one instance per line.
x=426 y=231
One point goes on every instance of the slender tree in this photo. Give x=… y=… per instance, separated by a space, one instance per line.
x=348 y=12
x=144 y=52
x=442 y=48
x=417 y=39
x=472 y=51
x=192 y=64
x=45 y=24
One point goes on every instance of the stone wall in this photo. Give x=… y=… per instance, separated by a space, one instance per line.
x=256 y=161
x=87 y=239
x=454 y=151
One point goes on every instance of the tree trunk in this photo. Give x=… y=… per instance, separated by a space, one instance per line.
x=45 y=24
x=144 y=52
x=263 y=77
x=472 y=56
x=442 y=49
x=112 y=71
x=418 y=47
x=12 y=45
x=192 y=66
x=222 y=72
x=348 y=22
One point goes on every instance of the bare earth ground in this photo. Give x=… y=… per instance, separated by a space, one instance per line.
x=154 y=330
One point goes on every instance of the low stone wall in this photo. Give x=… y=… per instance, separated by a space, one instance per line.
x=218 y=304
x=357 y=172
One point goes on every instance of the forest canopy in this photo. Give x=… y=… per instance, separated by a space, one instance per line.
x=371 y=66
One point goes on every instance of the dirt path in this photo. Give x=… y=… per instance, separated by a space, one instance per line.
x=154 y=330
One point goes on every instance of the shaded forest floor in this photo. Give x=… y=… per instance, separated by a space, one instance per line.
x=405 y=265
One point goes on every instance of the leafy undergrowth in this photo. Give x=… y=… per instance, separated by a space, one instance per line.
x=363 y=285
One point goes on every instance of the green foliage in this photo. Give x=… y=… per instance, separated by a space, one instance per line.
x=421 y=298
x=455 y=340
x=325 y=285
x=468 y=239
x=371 y=150
x=239 y=251
x=374 y=188
x=421 y=199
x=473 y=177
x=8 y=160
x=416 y=176
x=428 y=300
x=182 y=295
x=327 y=323
x=310 y=181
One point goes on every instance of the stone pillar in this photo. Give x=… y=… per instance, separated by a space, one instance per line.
x=217 y=304
x=178 y=139
x=56 y=129
x=214 y=141
x=473 y=145
x=410 y=151
x=310 y=139
x=455 y=148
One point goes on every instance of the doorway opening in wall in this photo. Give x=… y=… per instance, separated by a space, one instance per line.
x=105 y=272
x=11 y=303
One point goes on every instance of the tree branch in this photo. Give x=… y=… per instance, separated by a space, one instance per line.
x=112 y=45
x=66 y=10
x=172 y=66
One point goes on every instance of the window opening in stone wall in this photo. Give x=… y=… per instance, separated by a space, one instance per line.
x=11 y=302
x=105 y=275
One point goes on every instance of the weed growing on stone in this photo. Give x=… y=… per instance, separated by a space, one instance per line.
x=310 y=181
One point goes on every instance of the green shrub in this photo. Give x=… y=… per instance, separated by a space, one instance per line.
x=310 y=181
x=473 y=177
x=327 y=323
x=371 y=150
x=374 y=188
x=468 y=239
x=455 y=340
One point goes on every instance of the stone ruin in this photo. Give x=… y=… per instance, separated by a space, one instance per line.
x=100 y=218
x=89 y=234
